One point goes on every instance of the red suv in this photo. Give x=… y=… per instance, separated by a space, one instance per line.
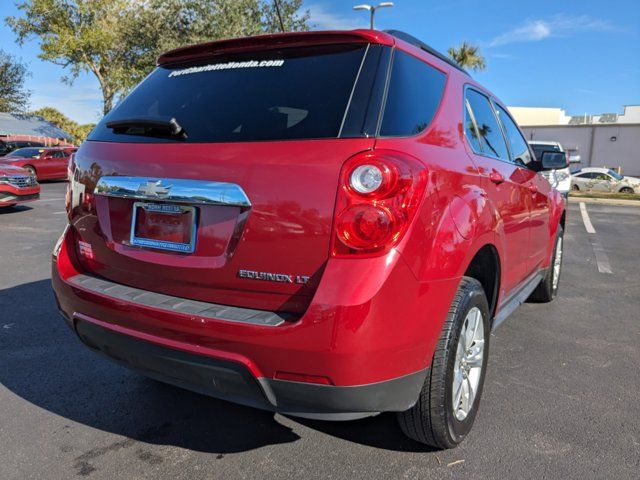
x=43 y=163
x=323 y=224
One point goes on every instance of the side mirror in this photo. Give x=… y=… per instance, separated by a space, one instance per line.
x=554 y=160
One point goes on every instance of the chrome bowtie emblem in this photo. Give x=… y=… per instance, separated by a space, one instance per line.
x=154 y=189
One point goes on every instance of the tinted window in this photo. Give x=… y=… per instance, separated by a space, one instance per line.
x=492 y=140
x=415 y=90
x=26 y=152
x=470 y=130
x=517 y=145
x=282 y=94
x=587 y=175
x=538 y=148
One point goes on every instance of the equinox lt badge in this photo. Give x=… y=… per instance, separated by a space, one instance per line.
x=273 y=277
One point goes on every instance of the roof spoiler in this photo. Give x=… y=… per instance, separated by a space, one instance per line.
x=293 y=39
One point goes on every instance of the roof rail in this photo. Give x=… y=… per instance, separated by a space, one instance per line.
x=423 y=46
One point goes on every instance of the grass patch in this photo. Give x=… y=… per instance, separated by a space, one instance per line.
x=613 y=196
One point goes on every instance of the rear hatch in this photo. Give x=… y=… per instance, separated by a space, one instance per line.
x=235 y=207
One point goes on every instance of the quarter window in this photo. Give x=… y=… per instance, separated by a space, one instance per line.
x=491 y=137
x=517 y=145
x=415 y=90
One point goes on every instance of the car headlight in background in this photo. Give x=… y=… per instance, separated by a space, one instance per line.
x=4 y=180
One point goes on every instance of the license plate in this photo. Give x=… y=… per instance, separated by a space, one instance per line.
x=164 y=226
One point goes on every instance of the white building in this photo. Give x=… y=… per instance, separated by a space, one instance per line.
x=539 y=116
x=535 y=116
x=606 y=140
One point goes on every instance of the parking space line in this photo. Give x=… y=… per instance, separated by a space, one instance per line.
x=52 y=199
x=601 y=257
x=585 y=218
x=602 y=260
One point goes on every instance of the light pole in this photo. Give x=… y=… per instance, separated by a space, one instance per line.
x=372 y=10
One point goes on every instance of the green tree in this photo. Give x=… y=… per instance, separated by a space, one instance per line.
x=467 y=56
x=119 y=40
x=13 y=73
x=78 y=132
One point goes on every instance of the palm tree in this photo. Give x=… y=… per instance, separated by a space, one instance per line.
x=467 y=56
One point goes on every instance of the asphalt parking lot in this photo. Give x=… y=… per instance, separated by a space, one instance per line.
x=560 y=401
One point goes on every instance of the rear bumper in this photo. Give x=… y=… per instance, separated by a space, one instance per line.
x=232 y=382
x=369 y=332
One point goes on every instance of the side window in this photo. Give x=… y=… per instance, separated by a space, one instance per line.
x=470 y=129
x=491 y=137
x=415 y=90
x=517 y=145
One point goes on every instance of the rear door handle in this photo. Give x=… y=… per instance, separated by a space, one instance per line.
x=533 y=188
x=496 y=177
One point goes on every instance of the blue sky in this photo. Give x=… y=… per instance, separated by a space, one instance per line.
x=580 y=55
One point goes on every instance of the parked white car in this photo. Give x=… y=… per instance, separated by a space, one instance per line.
x=594 y=179
x=559 y=179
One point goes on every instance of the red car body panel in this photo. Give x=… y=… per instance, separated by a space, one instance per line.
x=274 y=41
x=50 y=165
x=358 y=321
x=15 y=193
x=285 y=215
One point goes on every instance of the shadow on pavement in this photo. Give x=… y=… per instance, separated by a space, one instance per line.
x=14 y=209
x=45 y=364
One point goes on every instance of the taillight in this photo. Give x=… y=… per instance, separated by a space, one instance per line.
x=378 y=196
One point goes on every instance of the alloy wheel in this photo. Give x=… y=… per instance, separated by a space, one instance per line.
x=468 y=364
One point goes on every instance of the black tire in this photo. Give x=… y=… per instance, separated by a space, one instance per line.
x=546 y=291
x=626 y=190
x=575 y=188
x=431 y=420
x=31 y=170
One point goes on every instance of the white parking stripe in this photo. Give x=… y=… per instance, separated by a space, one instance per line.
x=585 y=218
x=46 y=199
x=601 y=257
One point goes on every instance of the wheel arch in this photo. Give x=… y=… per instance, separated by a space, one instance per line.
x=485 y=267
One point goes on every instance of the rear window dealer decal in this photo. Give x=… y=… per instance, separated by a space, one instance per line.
x=227 y=66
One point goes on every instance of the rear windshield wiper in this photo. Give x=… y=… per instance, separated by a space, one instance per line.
x=148 y=126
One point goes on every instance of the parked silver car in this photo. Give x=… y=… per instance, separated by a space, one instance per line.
x=603 y=180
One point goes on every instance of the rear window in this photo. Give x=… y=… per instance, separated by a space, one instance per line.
x=415 y=90
x=295 y=93
x=538 y=148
